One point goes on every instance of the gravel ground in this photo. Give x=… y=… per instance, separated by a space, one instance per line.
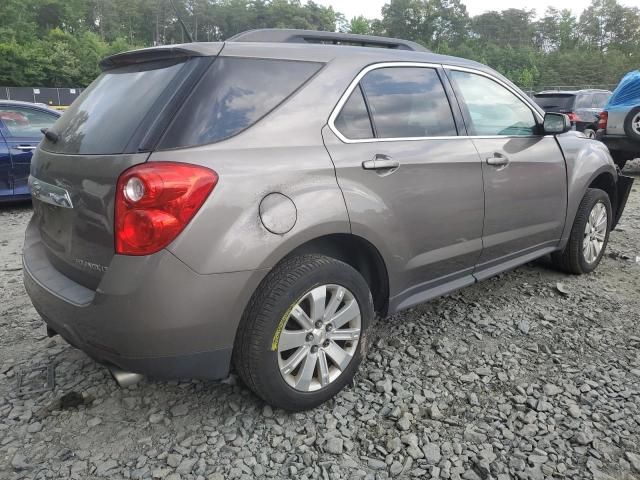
x=530 y=375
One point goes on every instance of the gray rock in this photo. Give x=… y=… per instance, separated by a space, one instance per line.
x=574 y=410
x=550 y=389
x=104 y=469
x=395 y=469
x=34 y=427
x=634 y=460
x=94 y=422
x=583 y=438
x=404 y=422
x=524 y=326
x=432 y=453
x=470 y=474
x=469 y=378
x=180 y=410
x=471 y=435
x=19 y=462
x=376 y=464
x=186 y=465
x=334 y=445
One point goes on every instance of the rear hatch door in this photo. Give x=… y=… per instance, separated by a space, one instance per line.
x=112 y=126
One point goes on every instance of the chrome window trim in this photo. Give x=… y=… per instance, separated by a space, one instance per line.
x=354 y=83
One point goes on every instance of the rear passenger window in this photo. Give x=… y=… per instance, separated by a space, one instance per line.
x=233 y=95
x=408 y=102
x=353 y=121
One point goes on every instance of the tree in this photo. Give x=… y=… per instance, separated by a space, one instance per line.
x=360 y=25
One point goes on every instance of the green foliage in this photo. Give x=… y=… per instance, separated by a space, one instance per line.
x=60 y=42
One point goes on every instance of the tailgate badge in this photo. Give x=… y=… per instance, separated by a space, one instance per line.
x=47 y=193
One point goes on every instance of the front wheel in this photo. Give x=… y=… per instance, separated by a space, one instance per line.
x=304 y=332
x=589 y=234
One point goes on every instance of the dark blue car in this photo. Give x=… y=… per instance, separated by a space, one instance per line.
x=20 y=124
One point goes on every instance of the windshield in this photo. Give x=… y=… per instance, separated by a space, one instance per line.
x=105 y=117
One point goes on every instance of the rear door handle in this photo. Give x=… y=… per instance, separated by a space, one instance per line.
x=498 y=160
x=26 y=148
x=380 y=162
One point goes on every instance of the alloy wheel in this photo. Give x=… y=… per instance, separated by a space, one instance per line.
x=635 y=123
x=595 y=232
x=319 y=338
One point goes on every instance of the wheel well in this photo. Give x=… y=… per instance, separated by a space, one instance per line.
x=361 y=255
x=605 y=182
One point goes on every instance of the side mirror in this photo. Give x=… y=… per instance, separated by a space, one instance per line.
x=556 y=123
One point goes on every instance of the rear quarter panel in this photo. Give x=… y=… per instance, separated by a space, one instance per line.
x=615 y=121
x=281 y=153
x=586 y=160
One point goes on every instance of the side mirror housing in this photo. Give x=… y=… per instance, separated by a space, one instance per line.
x=556 y=123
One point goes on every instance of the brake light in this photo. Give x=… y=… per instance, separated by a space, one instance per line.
x=572 y=116
x=602 y=121
x=155 y=201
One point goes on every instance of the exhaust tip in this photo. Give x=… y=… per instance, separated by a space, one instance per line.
x=124 y=379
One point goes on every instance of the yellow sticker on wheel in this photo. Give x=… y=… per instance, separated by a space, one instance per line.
x=283 y=322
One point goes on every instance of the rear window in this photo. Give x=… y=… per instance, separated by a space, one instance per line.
x=233 y=95
x=105 y=117
x=555 y=103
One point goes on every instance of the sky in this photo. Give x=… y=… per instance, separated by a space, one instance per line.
x=371 y=8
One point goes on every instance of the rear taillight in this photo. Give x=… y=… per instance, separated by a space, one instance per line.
x=602 y=121
x=572 y=116
x=155 y=201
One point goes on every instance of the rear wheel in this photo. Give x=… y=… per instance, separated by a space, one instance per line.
x=589 y=234
x=304 y=332
x=632 y=124
x=589 y=132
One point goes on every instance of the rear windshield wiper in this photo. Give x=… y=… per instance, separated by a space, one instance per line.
x=50 y=134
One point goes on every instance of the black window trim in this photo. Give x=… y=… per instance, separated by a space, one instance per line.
x=442 y=70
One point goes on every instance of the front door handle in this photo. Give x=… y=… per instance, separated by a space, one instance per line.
x=498 y=160
x=26 y=148
x=380 y=162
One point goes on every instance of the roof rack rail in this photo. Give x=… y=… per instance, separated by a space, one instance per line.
x=284 y=35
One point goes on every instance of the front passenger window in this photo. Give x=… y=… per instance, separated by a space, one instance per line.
x=493 y=109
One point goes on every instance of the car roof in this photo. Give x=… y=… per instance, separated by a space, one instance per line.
x=18 y=103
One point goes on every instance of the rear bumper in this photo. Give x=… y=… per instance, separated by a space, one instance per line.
x=151 y=315
x=620 y=143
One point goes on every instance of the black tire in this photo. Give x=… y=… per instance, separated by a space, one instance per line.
x=572 y=259
x=628 y=124
x=254 y=355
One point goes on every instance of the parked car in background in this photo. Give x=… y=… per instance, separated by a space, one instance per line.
x=256 y=202
x=582 y=106
x=20 y=133
x=619 y=126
